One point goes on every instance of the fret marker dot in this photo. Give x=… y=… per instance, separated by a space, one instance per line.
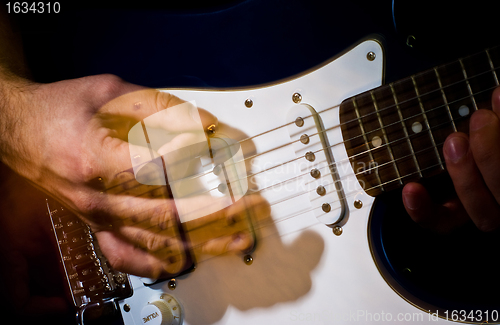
x=376 y=141
x=416 y=127
x=463 y=110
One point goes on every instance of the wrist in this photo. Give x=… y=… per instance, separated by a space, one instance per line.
x=17 y=122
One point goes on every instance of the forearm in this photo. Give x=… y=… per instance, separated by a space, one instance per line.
x=15 y=88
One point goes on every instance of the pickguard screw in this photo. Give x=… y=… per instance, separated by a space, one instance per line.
x=358 y=204
x=299 y=121
x=172 y=284
x=337 y=231
x=126 y=307
x=248 y=259
x=248 y=103
x=371 y=56
x=296 y=98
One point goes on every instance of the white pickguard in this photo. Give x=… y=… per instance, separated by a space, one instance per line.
x=302 y=273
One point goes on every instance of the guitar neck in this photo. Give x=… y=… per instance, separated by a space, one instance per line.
x=394 y=134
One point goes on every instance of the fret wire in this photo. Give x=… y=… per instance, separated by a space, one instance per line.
x=404 y=138
x=356 y=109
x=408 y=118
x=445 y=99
x=386 y=139
x=405 y=129
x=468 y=85
x=492 y=67
x=416 y=97
x=425 y=119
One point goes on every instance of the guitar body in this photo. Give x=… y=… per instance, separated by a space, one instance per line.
x=369 y=270
x=309 y=265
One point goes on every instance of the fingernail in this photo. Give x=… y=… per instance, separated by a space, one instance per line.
x=480 y=119
x=411 y=201
x=456 y=148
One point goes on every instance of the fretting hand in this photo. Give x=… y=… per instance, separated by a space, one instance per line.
x=473 y=164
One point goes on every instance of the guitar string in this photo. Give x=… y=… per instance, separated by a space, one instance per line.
x=356 y=119
x=260 y=226
x=389 y=162
x=368 y=93
x=394 y=141
x=396 y=105
x=352 y=138
x=393 y=161
x=382 y=146
x=275 y=221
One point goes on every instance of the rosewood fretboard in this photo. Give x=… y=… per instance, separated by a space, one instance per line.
x=394 y=134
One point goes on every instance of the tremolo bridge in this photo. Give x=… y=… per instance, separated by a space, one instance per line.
x=93 y=284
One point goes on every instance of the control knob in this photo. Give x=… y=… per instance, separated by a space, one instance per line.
x=165 y=311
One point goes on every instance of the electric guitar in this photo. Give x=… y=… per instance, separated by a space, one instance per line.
x=319 y=148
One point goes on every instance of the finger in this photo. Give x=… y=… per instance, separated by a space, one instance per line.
x=166 y=245
x=484 y=138
x=468 y=182
x=495 y=101
x=141 y=211
x=139 y=219
x=439 y=217
x=126 y=257
x=229 y=230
